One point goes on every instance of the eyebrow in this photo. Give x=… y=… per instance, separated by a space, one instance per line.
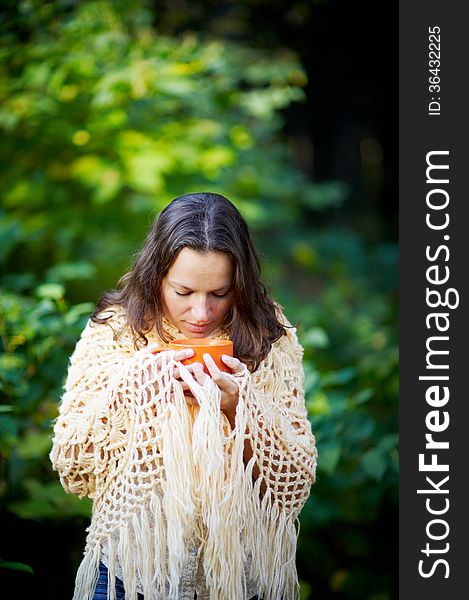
x=184 y=287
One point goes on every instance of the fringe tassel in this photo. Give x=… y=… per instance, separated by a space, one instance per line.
x=178 y=497
x=272 y=550
x=111 y=569
x=126 y=558
x=143 y=549
x=87 y=574
x=220 y=474
x=160 y=573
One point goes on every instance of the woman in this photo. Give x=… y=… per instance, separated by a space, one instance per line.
x=197 y=480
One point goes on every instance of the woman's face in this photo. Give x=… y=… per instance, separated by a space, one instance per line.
x=197 y=291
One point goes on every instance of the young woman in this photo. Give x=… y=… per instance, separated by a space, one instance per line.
x=197 y=479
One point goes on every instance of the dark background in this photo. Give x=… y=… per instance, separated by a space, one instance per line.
x=349 y=51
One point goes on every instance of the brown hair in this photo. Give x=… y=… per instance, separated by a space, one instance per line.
x=204 y=222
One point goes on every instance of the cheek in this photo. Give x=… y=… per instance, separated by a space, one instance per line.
x=171 y=304
x=179 y=305
x=223 y=308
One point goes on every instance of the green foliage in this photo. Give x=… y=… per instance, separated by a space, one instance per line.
x=101 y=118
x=38 y=332
x=349 y=333
x=15 y=566
x=103 y=121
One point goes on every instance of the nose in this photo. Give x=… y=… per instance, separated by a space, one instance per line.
x=200 y=310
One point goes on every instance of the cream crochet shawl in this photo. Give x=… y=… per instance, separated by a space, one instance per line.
x=166 y=477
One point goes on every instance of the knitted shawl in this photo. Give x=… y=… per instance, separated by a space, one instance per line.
x=167 y=478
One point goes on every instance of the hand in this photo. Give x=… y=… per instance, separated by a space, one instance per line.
x=228 y=388
x=180 y=355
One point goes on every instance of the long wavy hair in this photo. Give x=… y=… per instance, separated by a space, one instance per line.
x=204 y=222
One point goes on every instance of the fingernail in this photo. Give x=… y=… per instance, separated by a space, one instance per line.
x=188 y=352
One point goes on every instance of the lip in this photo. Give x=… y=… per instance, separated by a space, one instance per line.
x=197 y=328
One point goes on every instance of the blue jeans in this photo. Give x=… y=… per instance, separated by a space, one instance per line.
x=101 y=587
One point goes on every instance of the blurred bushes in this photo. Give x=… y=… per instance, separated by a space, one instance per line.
x=103 y=122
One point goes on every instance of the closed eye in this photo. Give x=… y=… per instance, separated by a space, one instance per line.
x=188 y=293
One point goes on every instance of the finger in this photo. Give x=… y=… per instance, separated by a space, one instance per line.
x=217 y=375
x=199 y=374
x=210 y=364
x=235 y=365
x=190 y=368
x=183 y=354
x=188 y=379
x=159 y=354
x=153 y=347
x=192 y=365
x=177 y=373
x=228 y=387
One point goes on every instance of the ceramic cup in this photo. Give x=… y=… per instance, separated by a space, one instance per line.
x=200 y=346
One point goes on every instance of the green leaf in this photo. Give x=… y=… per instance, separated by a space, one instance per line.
x=361 y=397
x=318 y=404
x=388 y=442
x=8 y=426
x=11 y=366
x=71 y=271
x=328 y=458
x=374 y=463
x=340 y=377
x=305 y=590
x=16 y=566
x=53 y=291
x=315 y=338
x=49 y=501
x=34 y=444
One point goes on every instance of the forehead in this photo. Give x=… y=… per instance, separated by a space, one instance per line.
x=201 y=270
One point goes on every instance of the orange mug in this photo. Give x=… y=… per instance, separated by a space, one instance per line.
x=200 y=346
